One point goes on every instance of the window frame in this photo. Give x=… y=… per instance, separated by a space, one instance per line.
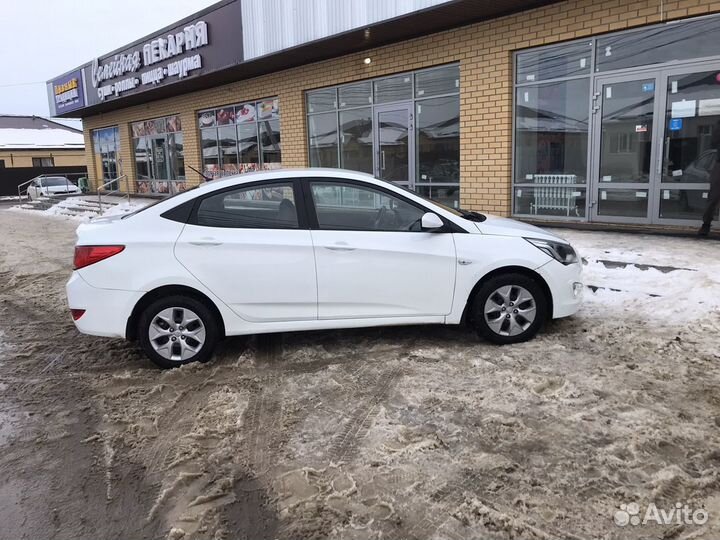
x=414 y=100
x=258 y=184
x=309 y=204
x=38 y=161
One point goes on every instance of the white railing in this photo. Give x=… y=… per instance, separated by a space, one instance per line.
x=101 y=190
x=555 y=197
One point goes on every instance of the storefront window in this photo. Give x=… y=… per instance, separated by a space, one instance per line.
x=356 y=140
x=551 y=148
x=438 y=128
x=240 y=138
x=623 y=127
x=105 y=148
x=159 y=155
x=404 y=128
x=323 y=135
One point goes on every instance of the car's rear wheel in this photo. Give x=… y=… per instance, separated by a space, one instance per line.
x=509 y=309
x=177 y=330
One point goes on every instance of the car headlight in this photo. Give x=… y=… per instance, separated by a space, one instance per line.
x=560 y=251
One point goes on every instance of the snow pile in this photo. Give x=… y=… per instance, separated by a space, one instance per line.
x=84 y=208
x=669 y=279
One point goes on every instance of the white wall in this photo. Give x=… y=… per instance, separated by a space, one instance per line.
x=272 y=25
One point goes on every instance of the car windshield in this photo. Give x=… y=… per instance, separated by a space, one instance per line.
x=56 y=181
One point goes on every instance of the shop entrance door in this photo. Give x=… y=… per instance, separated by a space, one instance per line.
x=394 y=143
x=625 y=151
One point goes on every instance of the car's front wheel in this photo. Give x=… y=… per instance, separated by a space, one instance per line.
x=177 y=330
x=509 y=309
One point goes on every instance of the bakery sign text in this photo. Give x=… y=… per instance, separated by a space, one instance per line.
x=151 y=54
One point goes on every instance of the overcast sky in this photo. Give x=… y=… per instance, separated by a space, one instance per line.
x=45 y=38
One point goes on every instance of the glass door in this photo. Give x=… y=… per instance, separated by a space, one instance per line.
x=689 y=187
x=394 y=142
x=625 y=111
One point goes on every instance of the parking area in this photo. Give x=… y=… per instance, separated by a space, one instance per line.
x=416 y=432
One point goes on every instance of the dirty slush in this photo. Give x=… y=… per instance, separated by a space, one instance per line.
x=394 y=433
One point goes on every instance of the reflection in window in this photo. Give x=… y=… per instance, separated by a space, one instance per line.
x=228 y=147
x=437 y=82
x=673 y=41
x=438 y=132
x=627 y=126
x=551 y=132
x=322 y=131
x=554 y=63
x=105 y=148
x=270 y=140
x=397 y=88
x=692 y=127
x=356 y=140
x=355 y=95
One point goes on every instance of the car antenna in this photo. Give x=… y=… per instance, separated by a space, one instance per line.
x=206 y=178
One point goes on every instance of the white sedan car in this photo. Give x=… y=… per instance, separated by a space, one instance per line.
x=51 y=185
x=311 y=249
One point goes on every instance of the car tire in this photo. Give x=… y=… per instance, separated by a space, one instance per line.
x=188 y=324
x=509 y=308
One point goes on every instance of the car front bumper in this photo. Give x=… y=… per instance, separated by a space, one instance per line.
x=566 y=286
x=106 y=310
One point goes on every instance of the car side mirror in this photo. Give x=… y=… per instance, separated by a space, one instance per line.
x=431 y=222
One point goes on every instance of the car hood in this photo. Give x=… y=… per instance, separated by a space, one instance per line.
x=500 y=226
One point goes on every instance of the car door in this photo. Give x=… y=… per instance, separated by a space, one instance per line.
x=372 y=257
x=251 y=247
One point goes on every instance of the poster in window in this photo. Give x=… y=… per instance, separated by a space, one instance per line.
x=206 y=119
x=173 y=124
x=138 y=129
x=245 y=113
x=225 y=116
x=268 y=109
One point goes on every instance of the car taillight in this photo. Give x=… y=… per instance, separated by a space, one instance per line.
x=87 y=255
x=77 y=313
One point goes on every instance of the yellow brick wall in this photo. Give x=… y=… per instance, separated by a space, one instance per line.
x=484 y=51
x=23 y=158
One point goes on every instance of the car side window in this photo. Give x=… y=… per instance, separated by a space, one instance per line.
x=256 y=207
x=350 y=207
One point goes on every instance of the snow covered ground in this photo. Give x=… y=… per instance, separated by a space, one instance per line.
x=412 y=433
x=84 y=208
x=667 y=279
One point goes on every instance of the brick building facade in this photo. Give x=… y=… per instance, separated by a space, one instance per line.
x=484 y=51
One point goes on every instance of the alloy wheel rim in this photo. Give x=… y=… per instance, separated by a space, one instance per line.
x=177 y=333
x=510 y=310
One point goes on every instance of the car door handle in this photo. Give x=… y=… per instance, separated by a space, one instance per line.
x=340 y=248
x=205 y=243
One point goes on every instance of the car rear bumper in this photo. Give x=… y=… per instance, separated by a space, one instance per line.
x=106 y=310
x=566 y=286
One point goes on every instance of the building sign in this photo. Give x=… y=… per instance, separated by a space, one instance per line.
x=211 y=42
x=67 y=92
x=110 y=78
